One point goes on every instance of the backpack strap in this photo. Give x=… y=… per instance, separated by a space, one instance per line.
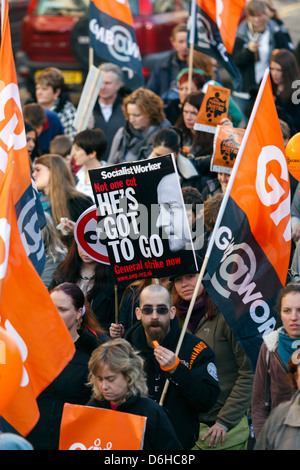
x=268 y=386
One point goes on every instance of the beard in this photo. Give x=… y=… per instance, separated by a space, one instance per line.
x=157 y=334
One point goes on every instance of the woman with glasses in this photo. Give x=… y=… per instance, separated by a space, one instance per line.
x=197 y=145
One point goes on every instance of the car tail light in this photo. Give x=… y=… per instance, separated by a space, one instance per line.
x=31 y=6
x=146 y=73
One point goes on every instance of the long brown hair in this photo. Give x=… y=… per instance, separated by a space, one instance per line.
x=88 y=320
x=62 y=185
x=211 y=308
x=202 y=142
x=290 y=72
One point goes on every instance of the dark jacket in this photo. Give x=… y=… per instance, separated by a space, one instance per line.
x=137 y=142
x=193 y=386
x=282 y=429
x=116 y=120
x=234 y=373
x=159 y=433
x=69 y=387
x=78 y=204
x=245 y=59
x=102 y=303
x=271 y=385
x=51 y=128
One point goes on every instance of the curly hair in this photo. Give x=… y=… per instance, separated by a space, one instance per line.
x=149 y=104
x=120 y=357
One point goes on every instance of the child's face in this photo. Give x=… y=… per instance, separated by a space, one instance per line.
x=80 y=156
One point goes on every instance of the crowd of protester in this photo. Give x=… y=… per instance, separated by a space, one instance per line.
x=214 y=399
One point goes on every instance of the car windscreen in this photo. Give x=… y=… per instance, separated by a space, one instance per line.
x=61 y=7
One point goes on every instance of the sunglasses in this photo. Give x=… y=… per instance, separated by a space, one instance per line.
x=160 y=310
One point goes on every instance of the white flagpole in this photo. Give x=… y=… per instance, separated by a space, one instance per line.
x=192 y=20
x=3 y=5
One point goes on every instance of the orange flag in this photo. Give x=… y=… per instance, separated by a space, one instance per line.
x=251 y=242
x=212 y=29
x=27 y=312
x=226 y=15
x=12 y=136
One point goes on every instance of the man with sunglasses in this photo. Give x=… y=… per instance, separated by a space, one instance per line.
x=193 y=383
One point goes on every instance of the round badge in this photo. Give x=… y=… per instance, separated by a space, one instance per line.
x=86 y=236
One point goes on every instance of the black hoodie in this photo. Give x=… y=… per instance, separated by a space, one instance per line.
x=193 y=386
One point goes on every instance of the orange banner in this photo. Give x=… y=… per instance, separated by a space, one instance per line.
x=226 y=14
x=89 y=428
x=118 y=9
x=27 y=312
x=265 y=169
x=250 y=247
x=214 y=108
x=12 y=136
x=227 y=142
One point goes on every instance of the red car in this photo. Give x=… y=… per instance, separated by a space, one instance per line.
x=55 y=33
x=16 y=11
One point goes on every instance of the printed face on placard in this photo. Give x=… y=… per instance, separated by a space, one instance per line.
x=171 y=217
x=142 y=219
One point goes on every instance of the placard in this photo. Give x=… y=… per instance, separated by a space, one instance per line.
x=90 y=428
x=85 y=234
x=214 y=108
x=227 y=142
x=142 y=219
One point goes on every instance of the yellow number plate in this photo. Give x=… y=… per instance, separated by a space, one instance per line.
x=70 y=76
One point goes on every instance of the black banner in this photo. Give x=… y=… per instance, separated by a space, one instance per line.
x=242 y=282
x=208 y=40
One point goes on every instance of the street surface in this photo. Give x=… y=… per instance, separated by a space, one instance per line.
x=289 y=13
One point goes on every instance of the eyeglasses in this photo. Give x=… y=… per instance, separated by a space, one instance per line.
x=159 y=310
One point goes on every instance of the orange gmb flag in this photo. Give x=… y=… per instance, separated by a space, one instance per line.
x=89 y=428
x=226 y=14
x=118 y=9
x=212 y=28
x=27 y=312
x=249 y=251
